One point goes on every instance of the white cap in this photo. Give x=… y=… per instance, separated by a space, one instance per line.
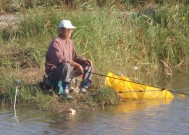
x=66 y=24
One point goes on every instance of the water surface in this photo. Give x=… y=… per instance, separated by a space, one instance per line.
x=152 y=117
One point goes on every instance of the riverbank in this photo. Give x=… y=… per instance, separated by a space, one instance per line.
x=136 y=44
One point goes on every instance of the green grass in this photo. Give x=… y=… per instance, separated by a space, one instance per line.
x=115 y=43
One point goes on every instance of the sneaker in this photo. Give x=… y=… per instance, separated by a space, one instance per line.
x=67 y=95
x=85 y=84
x=66 y=91
x=83 y=90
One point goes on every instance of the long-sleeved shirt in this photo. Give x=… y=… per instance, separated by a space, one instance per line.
x=60 y=51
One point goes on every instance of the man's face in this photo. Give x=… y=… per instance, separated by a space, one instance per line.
x=66 y=33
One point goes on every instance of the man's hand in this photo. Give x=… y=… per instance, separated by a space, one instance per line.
x=88 y=62
x=77 y=66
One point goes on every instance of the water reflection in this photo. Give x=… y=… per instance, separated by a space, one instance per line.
x=131 y=106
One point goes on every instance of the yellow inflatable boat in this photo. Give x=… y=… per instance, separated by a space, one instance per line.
x=125 y=88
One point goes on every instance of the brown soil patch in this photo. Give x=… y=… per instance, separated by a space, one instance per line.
x=30 y=75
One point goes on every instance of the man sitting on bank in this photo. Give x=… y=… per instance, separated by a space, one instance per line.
x=62 y=62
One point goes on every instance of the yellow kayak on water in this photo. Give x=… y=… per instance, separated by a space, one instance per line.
x=125 y=88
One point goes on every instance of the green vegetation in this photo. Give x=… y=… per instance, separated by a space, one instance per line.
x=116 y=36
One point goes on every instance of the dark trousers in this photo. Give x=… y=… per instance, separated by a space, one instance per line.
x=65 y=72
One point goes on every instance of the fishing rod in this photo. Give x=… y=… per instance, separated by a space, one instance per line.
x=140 y=91
x=161 y=89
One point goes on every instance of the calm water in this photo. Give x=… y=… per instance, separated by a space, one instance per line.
x=158 y=117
